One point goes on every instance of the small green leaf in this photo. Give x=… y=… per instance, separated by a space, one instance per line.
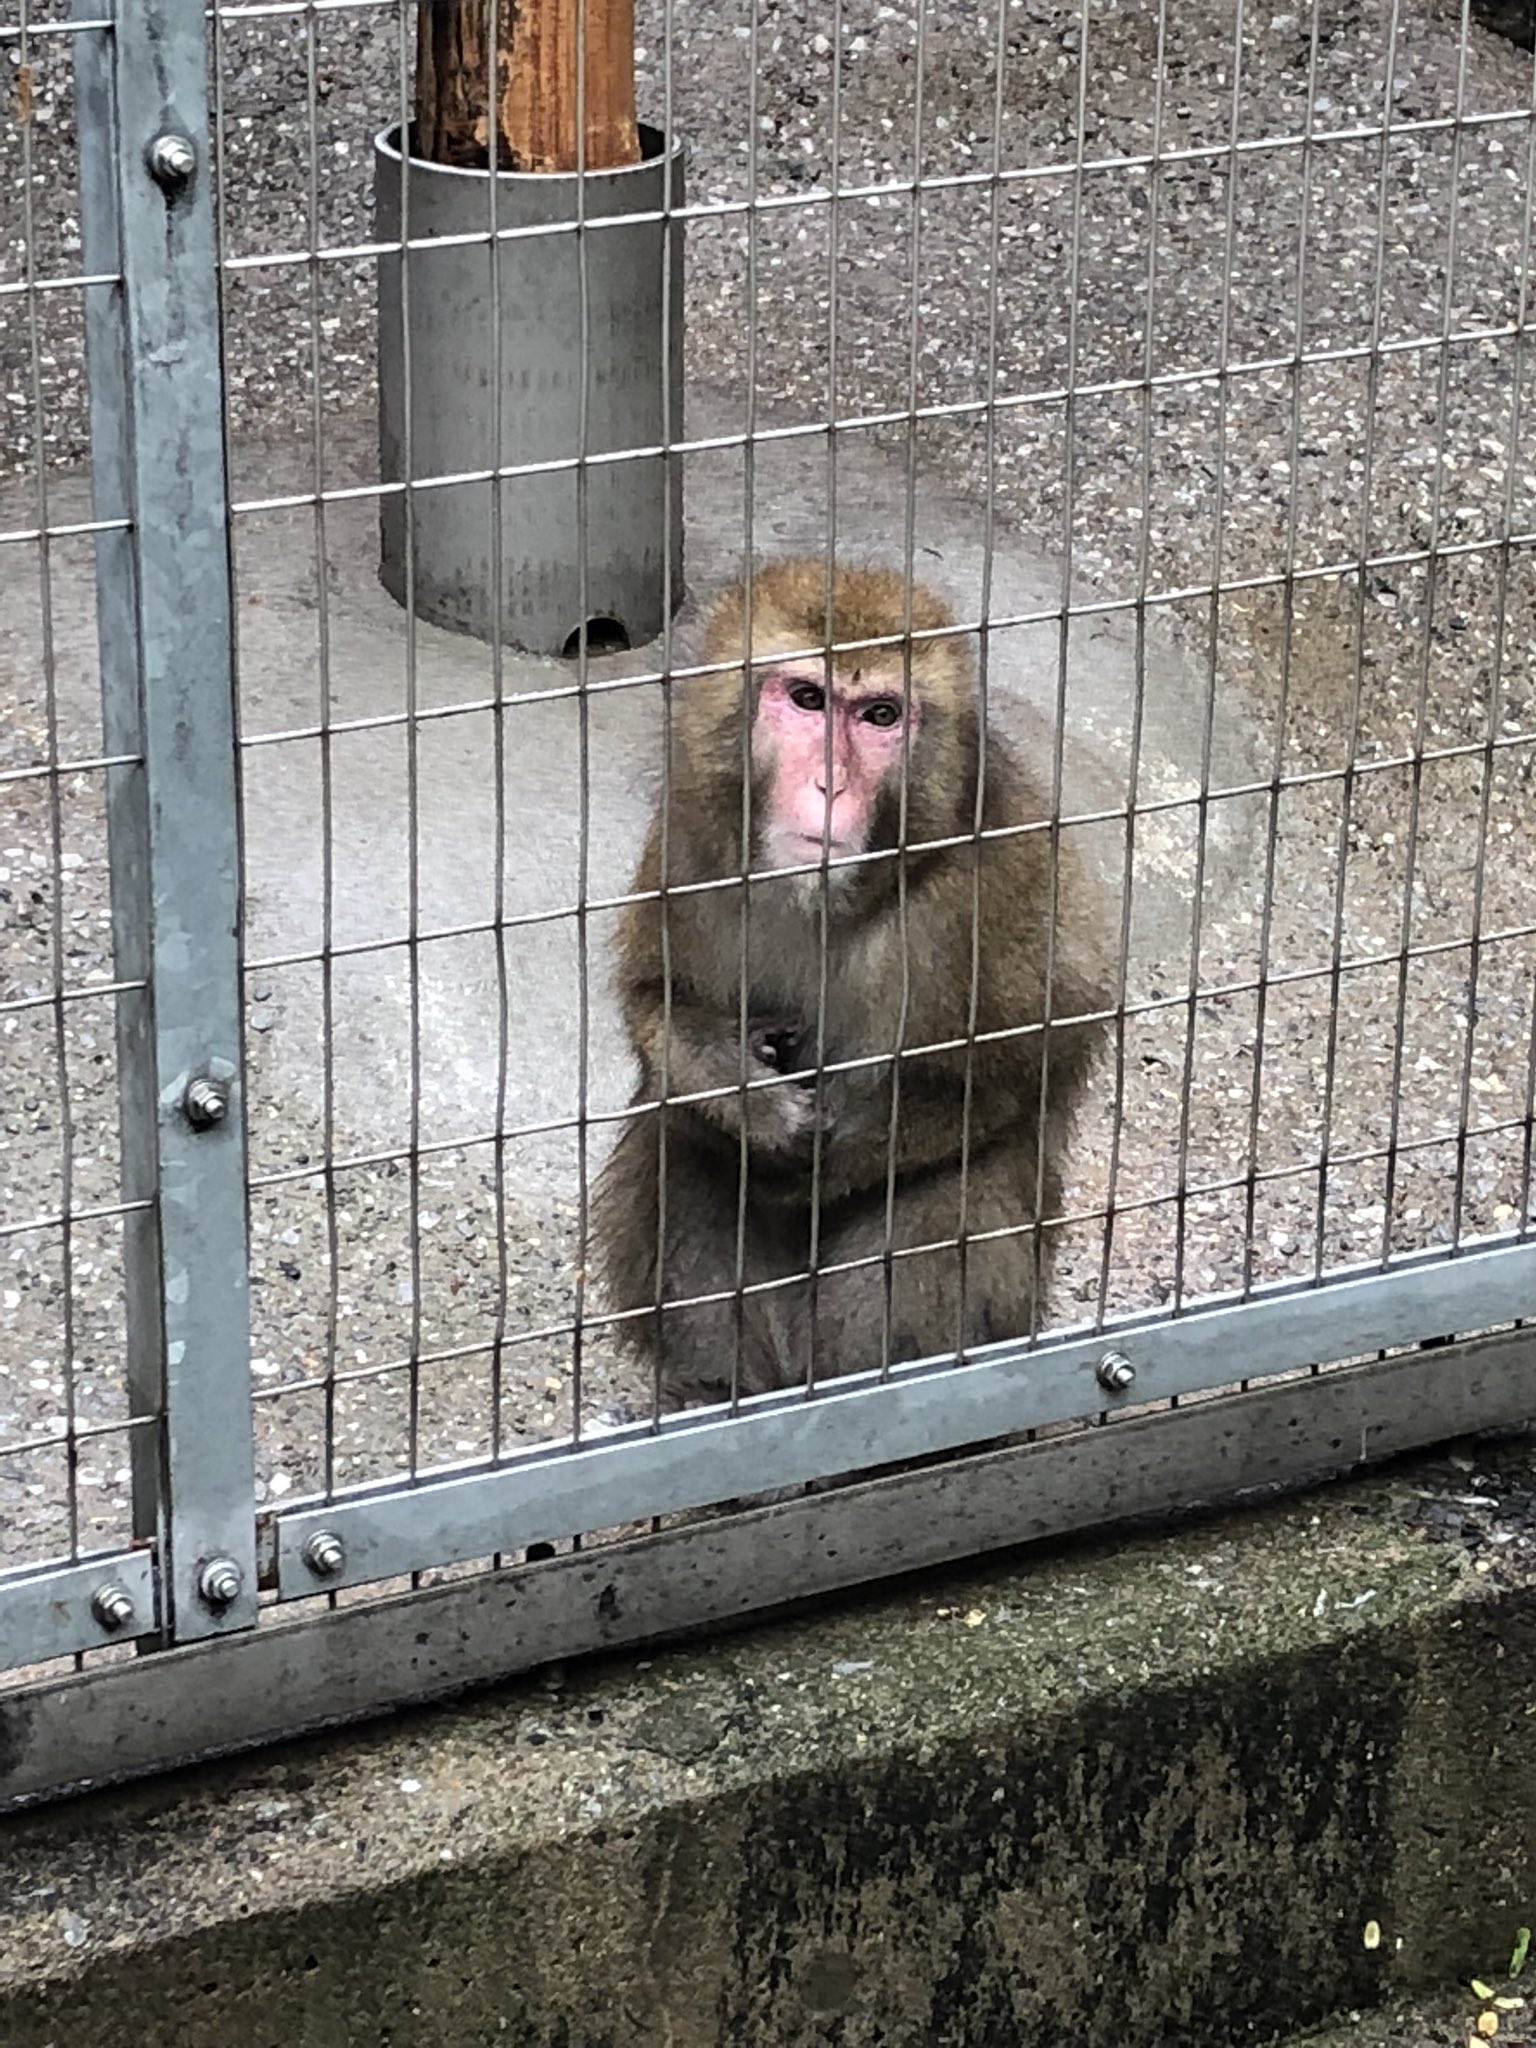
x=1522 y=1950
x=1480 y=1989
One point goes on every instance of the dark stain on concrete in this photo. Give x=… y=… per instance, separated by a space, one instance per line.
x=15 y=1731
x=1233 y=1834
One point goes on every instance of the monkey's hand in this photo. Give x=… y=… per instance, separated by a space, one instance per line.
x=777 y=1042
x=781 y=1122
x=703 y=1058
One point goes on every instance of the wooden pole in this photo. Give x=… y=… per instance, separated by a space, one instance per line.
x=535 y=83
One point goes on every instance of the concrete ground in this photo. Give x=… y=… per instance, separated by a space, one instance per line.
x=1446 y=2021
x=1414 y=1081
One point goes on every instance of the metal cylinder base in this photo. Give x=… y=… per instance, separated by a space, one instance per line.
x=498 y=344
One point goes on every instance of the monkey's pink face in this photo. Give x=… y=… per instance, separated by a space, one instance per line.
x=829 y=754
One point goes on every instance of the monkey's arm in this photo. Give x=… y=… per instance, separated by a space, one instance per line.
x=928 y=1097
x=931 y=1108
x=1023 y=1084
x=680 y=1006
x=690 y=1048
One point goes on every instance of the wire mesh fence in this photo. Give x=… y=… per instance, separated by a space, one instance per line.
x=1183 y=356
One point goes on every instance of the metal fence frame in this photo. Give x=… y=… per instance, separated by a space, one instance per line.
x=224 y=1675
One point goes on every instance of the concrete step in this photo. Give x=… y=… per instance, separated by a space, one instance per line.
x=1154 y=1793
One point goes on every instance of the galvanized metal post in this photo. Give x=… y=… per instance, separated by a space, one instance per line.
x=167 y=679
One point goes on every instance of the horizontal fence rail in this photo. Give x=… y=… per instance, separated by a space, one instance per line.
x=781 y=1440
x=294 y=1677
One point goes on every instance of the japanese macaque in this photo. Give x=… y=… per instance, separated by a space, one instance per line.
x=817 y=1135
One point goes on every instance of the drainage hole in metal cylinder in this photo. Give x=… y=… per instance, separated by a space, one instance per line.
x=604 y=636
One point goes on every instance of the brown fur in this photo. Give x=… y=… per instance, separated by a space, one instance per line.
x=938 y=1301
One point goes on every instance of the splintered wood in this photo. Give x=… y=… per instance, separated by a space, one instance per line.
x=534 y=62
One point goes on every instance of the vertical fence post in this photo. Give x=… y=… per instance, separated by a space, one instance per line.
x=167 y=679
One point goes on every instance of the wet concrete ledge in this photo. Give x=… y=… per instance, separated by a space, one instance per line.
x=1148 y=1792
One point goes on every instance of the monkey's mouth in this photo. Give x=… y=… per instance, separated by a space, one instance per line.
x=813 y=846
x=789 y=848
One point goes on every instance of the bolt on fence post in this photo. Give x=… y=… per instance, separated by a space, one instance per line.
x=167 y=682
x=325 y=1554
x=1114 y=1372
x=112 y=1605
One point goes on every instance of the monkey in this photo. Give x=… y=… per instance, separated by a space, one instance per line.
x=794 y=1202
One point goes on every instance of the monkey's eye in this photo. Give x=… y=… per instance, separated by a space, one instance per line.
x=885 y=712
x=808 y=697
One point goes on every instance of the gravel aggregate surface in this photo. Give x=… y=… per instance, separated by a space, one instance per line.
x=1394 y=702
x=1449 y=2021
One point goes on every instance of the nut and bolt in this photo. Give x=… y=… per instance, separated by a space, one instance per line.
x=1115 y=1372
x=172 y=161
x=219 y=1582
x=112 y=1606
x=206 y=1103
x=324 y=1553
